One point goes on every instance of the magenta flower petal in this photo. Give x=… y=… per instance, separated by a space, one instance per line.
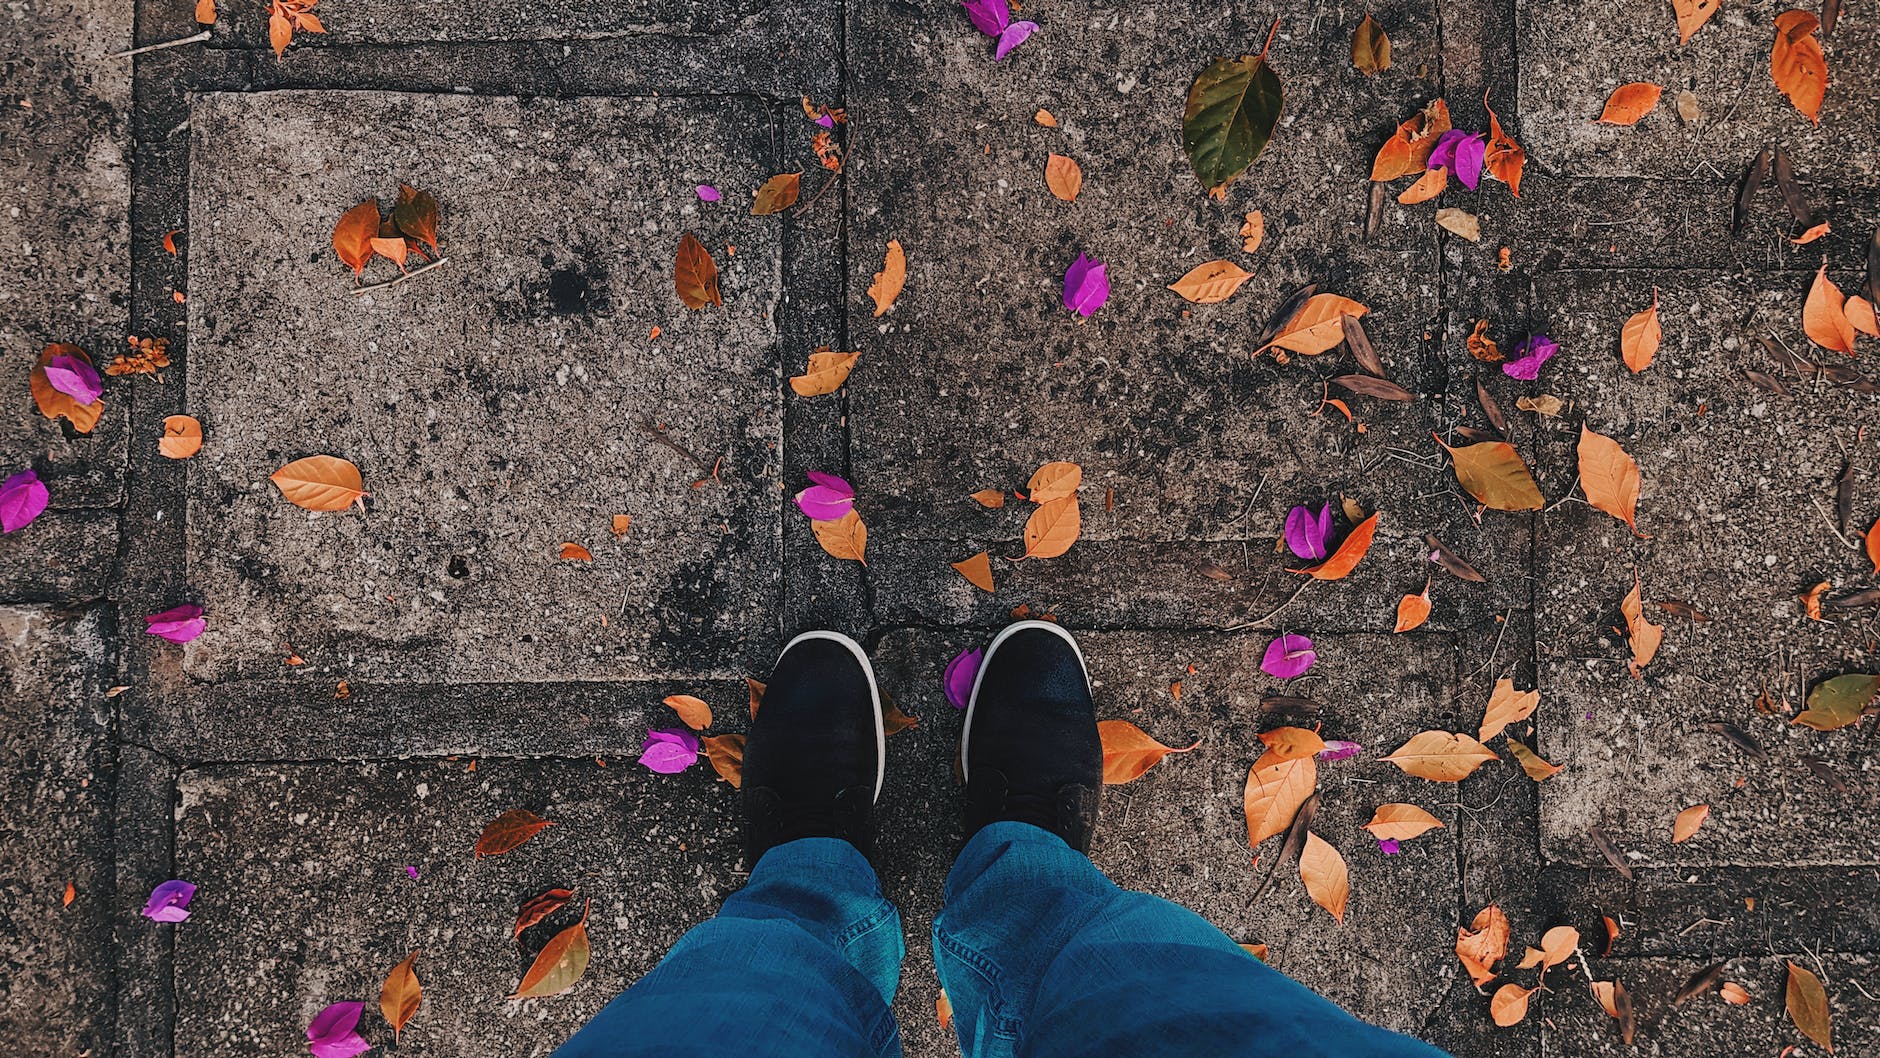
x=1468 y=163
x=961 y=671
x=22 y=497
x=989 y=16
x=75 y=378
x=1086 y=286
x=1534 y=352
x=169 y=901
x=1306 y=533
x=708 y=193
x=826 y=121
x=669 y=751
x=1014 y=35
x=828 y=500
x=1388 y=846
x=1339 y=749
x=1443 y=155
x=1288 y=656
x=178 y=624
x=332 y=1034
x=413 y=872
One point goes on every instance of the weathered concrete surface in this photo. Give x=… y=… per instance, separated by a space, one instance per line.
x=56 y=779
x=563 y=237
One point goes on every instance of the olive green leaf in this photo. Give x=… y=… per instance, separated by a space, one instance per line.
x=1233 y=106
x=1839 y=702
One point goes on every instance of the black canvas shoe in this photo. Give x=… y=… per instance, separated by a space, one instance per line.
x=1030 y=750
x=815 y=756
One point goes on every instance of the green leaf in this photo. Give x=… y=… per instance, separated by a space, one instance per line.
x=1233 y=107
x=1839 y=702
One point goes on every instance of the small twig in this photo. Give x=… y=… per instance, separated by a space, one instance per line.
x=1263 y=622
x=658 y=433
x=1701 y=922
x=402 y=276
x=177 y=43
x=1832 y=528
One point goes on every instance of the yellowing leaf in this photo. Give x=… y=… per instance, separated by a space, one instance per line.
x=1274 y=794
x=508 y=831
x=1128 y=751
x=993 y=499
x=1413 y=610
x=977 y=569
x=777 y=194
x=1252 y=232
x=353 y=235
x=1640 y=337
x=400 y=995
x=1839 y=702
x=1207 y=284
x=889 y=281
x=1807 y=1004
x=1400 y=822
x=1531 y=762
x=1052 y=528
x=693 y=711
x=1609 y=476
x=1492 y=472
x=846 y=537
x=320 y=483
x=1328 y=881
x=1630 y=102
x=1797 y=64
x=182 y=437
x=825 y=374
x=1692 y=14
x=695 y=274
x=1054 y=481
x=1685 y=826
x=1483 y=944
x=1349 y=553
x=726 y=753
x=560 y=964
x=1370 y=47
x=1317 y=326
x=1506 y=706
x=1427 y=186
x=1824 y=315
x=1441 y=756
x=1509 y=1004
x=1063 y=176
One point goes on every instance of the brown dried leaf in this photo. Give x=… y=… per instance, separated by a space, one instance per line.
x=693 y=712
x=539 y=907
x=1640 y=337
x=888 y=282
x=1824 y=315
x=1537 y=769
x=695 y=274
x=1449 y=560
x=1510 y=1004
x=1053 y=528
x=777 y=194
x=1210 y=283
x=1252 y=232
x=509 y=830
x=401 y=993
x=991 y=499
x=560 y=964
x=1370 y=47
x=1327 y=879
x=1316 y=326
x=1494 y=474
x=1381 y=388
x=1692 y=14
x=726 y=753
x=1483 y=944
x=353 y=235
x=1360 y=345
x=1063 y=176
x=1273 y=795
x=1630 y=102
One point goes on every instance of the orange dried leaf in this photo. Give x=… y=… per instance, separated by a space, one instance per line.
x=993 y=499
x=1063 y=176
x=509 y=830
x=169 y=241
x=1503 y=158
x=574 y=552
x=889 y=281
x=1350 y=552
x=1253 y=232
x=539 y=907
x=1210 y=283
x=1807 y=1003
x=400 y=995
x=1483 y=944
x=1413 y=610
x=977 y=569
x=1128 y=751
x=1400 y=822
x=353 y=235
x=1824 y=315
x=70 y=894
x=1493 y=473
x=1797 y=65
x=280 y=32
x=1053 y=528
x=1537 y=769
x=846 y=537
x=692 y=711
x=1506 y=706
x=415 y=215
x=1044 y=117
x=1509 y=1004
x=756 y=690
x=1630 y=102
x=1273 y=796
x=1640 y=337
x=1288 y=743
x=1428 y=186
x=1684 y=828
x=1441 y=756
x=394 y=249
x=621 y=524
x=1692 y=14
x=777 y=194
x=1813 y=233
x=1734 y=994
x=320 y=483
x=1054 y=481
x=1323 y=870
x=695 y=274
x=826 y=373
x=726 y=753
x=560 y=964
x=1317 y=326
x=182 y=437
x=1860 y=315
x=1645 y=637
x=1609 y=476
x=1408 y=149
x=893 y=720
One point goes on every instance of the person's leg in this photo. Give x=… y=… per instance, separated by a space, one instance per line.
x=1042 y=956
x=804 y=959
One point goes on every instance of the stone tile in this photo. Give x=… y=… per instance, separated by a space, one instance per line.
x=1571 y=61
x=56 y=777
x=65 y=234
x=495 y=407
x=65 y=556
x=512 y=20
x=1715 y=912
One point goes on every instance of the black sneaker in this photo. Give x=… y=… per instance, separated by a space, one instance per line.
x=1030 y=750
x=815 y=756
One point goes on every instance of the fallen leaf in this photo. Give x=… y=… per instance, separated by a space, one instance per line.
x=1503 y=158
x=845 y=537
x=978 y=570
x=1408 y=149
x=776 y=194
x=539 y=907
x=1630 y=102
x=1605 y=847
x=415 y=215
x=1413 y=610
x=1288 y=743
x=1370 y=47
x=1612 y=934
x=52 y=403
x=1052 y=528
x=1252 y=232
x=692 y=711
x=509 y=830
x=1349 y=552
x=993 y=499
x=1441 y=756
x=826 y=373
x=1371 y=386
x=1692 y=14
x=888 y=282
x=1400 y=822
x=169 y=241
x=622 y=523
x=1546 y=404
x=559 y=965
x=1824 y=315
x=756 y=690
x=1273 y=796
x=1128 y=751
x=1460 y=222
x=1483 y=944
x=1839 y=702
x=1644 y=636
x=1687 y=106
x=1506 y=706
x=1210 y=283
x=1362 y=351
x=1044 y=117
x=1734 y=994
x=1797 y=65
x=695 y=274
x=726 y=753
x=353 y=235
x=893 y=720
x=1510 y=1004
x=1860 y=315
x=942 y=1006
x=182 y=437
x=400 y=995
x=1428 y=186
x=70 y=894
x=1811 y=601
x=1063 y=176
x=1323 y=870
x=1317 y=326
x=1813 y=233
x=320 y=483
x=1531 y=763
x=1685 y=826
x=1494 y=474
x=573 y=552
x=1609 y=476
x=205 y=12
x=1233 y=106
x=1640 y=337
x=1807 y=1003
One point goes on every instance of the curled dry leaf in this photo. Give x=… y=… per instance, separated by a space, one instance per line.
x=1449 y=560
x=1252 y=232
x=1350 y=552
x=726 y=753
x=692 y=711
x=1606 y=849
x=353 y=235
x=539 y=907
x=1531 y=763
x=1481 y=346
x=777 y=194
x=1644 y=636
x=695 y=274
x=1640 y=337
x=1063 y=176
x=1609 y=477
x=1630 y=102
x=1408 y=149
x=978 y=570
x=1128 y=751
x=1273 y=796
x=1483 y=944
x=1824 y=315
x=1494 y=474
x=893 y=720
x=1370 y=47
x=320 y=483
x=826 y=373
x=1503 y=157
x=1509 y=1004
x=1796 y=63
x=560 y=964
x=1807 y=1003
x=1400 y=822
x=1432 y=183
x=1053 y=528
x=182 y=437
x=1506 y=706
x=1441 y=756
x=1684 y=828
x=509 y=830
x=845 y=537
x=888 y=282
x=1413 y=610
x=1327 y=879
x=1316 y=326
x=1210 y=283
x=400 y=995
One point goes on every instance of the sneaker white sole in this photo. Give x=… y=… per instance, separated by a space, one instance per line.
x=972 y=703
x=874 y=694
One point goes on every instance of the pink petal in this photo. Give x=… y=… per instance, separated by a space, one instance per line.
x=178 y=624
x=169 y=901
x=332 y=1033
x=1086 y=286
x=1288 y=656
x=824 y=504
x=669 y=751
x=1338 y=750
x=22 y=497
x=707 y=193
x=1388 y=846
x=989 y=16
x=960 y=674
x=75 y=378
x=1014 y=35
x=831 y=482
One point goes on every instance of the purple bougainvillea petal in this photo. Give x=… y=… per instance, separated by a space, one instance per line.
x=708 y=193
x=169 y=901
x=75 y=378
x=669 y=750
x=989 y=16
x=1388 y=846
x=961 y=672
x=825 y=121
x=1306 y=532
x=333 y=1032
x=179 y=624
x=1468 y=163
x=22 y=497
x=413 y=872
x=1443 y=155
x=1014 y=35
x=1288 y=656
x=828 y=499
x=831 y=482
x=1086 y=286
x=1339 y=749
x=1532 y=353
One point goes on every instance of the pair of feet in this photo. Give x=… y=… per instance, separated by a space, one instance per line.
x=815 y=758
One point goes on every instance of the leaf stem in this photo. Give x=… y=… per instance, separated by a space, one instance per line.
x=402 y=277
x=177 y=43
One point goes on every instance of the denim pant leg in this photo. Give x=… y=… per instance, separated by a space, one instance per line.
x=803 y=961
x=1042 y=956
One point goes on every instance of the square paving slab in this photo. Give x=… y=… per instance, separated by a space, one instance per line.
x=499 y=406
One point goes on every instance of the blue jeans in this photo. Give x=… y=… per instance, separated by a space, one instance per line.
x=1039 y=953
